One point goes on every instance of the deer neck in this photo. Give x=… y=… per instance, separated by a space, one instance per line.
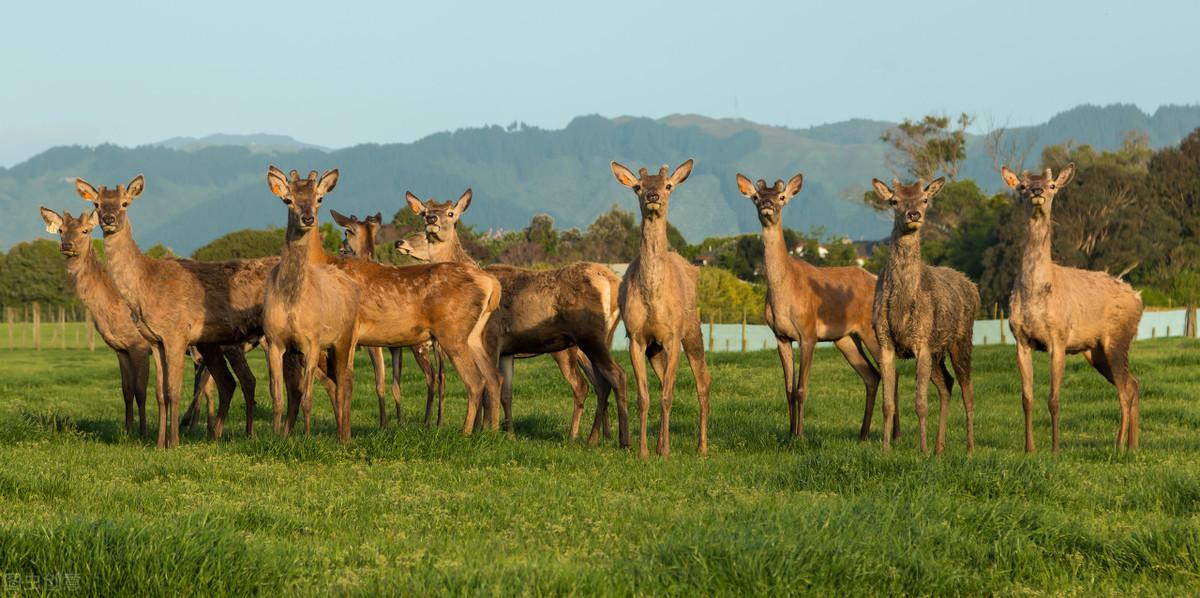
x=127 y=265
x=367 y=251
x=778 y=265
x=1035 y=264
x=904 y=258
x=92 y=284
x=448 y=249
x=652 y=254
x=300 y=249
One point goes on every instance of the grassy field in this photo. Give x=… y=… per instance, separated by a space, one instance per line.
x=415 y=511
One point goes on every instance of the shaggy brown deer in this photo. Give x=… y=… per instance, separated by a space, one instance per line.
x=310 y=305
x=176 y=303
x=409 y=305
x=806 y=304
x=360 y=241
x=569 y=312
x=922 y=312
x=1064 y=311
x=658 y=304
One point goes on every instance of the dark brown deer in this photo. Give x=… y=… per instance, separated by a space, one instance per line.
x=922 y=312
x=806 y=304
x=1064 y=311
x=360 y=241
x=658 y=304
x=310 y=305
x=409 y=305
x=569 y=312
x=177 y=303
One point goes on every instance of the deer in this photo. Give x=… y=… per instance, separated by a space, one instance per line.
x=178 y=303
x=658 y=303
x=310 y=305
x=806 y=304
x=359 y=240
x=569 y=312
x=922 y=312
x=1065 y=311
x=410 y=305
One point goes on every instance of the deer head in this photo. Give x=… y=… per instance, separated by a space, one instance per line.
x=360 y=234
x=111 y=203
x=74 y=234
x=440 y=217
x=909 y=201
x=769 y=200
x=1038 y=190
x=415 y=246
x=653 y=190
x=302 y=196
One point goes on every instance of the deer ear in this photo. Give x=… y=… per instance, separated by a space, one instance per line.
x=882 y=190
x=86 y=190
x=341 y=220
x=464 y=201
x=1065 y=175
x=624 y=175
x=683 y=172
x=1010 y=178
x=414 y=204
x=328 y=181
x=932 y=189
x=278 y=183
x=378 y=217
x=93 y=218
x=793 y=186
x=53 y=220
x=745 y=187
x=135 y=187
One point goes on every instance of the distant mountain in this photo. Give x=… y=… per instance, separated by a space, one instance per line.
x=198 y=191
x=262 y=142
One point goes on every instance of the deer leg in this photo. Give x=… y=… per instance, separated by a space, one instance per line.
x=160 y=393
x=855 y=355
x=960 y=358
x=598 y=382
x=441 y=382
x=275 y=370
x=377 y=365
x=1114 y=359
x=397 y=355
x=1025 y=367
x=214 y=362
x=943 y=383
x=127 y=382
x=506 y=376
x=473 y=379
x=342 y=356
x=1058 y=362
x=924 y=369
x=789 y=389
x=429 y=389
x=609 y=375
x=671 y=355
x=174 y=356
x=637 y=359
x=887 y=371
x=807 y=345
x=140 y=362
x=579 y=388
x=693 y=347
x=293 y=373
x=245 y=378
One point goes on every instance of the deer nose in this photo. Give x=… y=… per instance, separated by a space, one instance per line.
x=1036 y=191
x=307 y=219
x=913 y=215
x=68 y=246
x=652 y=197
x=108 y=219
x=431 y=219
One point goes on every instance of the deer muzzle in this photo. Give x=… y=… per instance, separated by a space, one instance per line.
x=68 y=249
x=1038 y=200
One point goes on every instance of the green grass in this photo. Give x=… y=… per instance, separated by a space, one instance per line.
x=416 y=511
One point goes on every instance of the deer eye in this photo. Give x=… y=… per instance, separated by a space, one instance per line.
x=449 y=214
x=287 y=200
x=124 y=204
x=1021 y=187
x=668 y=186
x=637 y=188
x=1053 y=186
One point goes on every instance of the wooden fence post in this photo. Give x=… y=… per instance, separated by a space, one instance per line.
x=1189 y=321
x=1001 y=322
x=8 y=317
x=62 y=327
x=744 y=331
x=37 y=326
x=710 y=333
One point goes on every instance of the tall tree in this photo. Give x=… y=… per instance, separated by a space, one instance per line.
x=929 y=146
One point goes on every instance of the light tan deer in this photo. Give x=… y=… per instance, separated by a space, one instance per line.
x=569 y=312
x=360 y=241
x=658 y=304
x=806 y=304
x=923 y=312
x=1064 y=311
x=310 y=305
x=177 y=303
x=409 y=305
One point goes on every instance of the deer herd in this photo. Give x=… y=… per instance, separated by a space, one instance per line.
x=310 y=309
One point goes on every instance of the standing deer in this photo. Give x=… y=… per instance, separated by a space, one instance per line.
x=360 y=241
x=310 y=306
x=1065 y=311
x=806 y=304
x=176 y=303
x=658 y=304
x=406 y=306
x=569 y=312
x=924 y=312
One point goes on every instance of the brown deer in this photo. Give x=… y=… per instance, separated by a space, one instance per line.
x=569 y=312
x=360 y=241
x=176 y=303
x=406 y=306
x=806 y=304
x=1065 y=311
x=924 y=312
x=658 y=304
x=310 y=306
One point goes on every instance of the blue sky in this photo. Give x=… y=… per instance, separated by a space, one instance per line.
x=347 y=72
